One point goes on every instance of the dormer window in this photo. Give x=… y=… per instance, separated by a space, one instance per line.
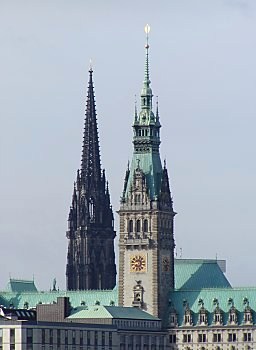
x=188 y=318
x=232 y=316
x=247 y=311
x=217 y=317
x=202 y=316
x=173 y=319
x=248 y=316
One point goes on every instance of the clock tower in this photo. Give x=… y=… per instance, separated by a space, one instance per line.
x=146 y=243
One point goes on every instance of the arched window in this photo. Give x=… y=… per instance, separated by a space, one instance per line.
x=145 y=225
x=91 y=208
x=130 y=226
x=138 y=226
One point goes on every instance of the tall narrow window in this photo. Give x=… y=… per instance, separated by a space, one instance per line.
x=145 y=225
x=81 y=338
x=91 y=208
x=130 y=226
x=138 y=226
x=1 y=339
x=58 y=338
x=29 y=338
x=51 y=336
x=12 y=336
x=73 y=337
x=66 y=337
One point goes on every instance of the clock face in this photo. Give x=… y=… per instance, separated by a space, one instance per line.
x=166 y=264
x=138 y=263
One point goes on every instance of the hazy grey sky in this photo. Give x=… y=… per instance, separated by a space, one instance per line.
x=202 y=64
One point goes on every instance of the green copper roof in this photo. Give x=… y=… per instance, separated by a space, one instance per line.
x=89 y=297
x=100 y=311
x=189 y=274
x=150 y=164
x=17 y=285
x=199 y=273
x=223 y=296
x=96 y=311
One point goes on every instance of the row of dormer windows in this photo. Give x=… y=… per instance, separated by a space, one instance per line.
x=217 y=318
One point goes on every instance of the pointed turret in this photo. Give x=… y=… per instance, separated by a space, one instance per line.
x=90 y=223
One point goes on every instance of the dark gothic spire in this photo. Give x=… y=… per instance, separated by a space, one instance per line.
x=90 y=165
x=91 y=256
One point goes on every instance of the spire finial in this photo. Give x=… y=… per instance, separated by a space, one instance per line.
x=135 y=111
x=157 y=110
x=147 y=30
x=90 y=65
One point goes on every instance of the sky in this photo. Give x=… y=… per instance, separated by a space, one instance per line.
x=202 y=68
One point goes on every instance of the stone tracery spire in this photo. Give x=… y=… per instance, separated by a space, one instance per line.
x=90 y=223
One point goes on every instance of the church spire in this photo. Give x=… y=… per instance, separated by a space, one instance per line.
x=90 y=164
x=91 y=256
